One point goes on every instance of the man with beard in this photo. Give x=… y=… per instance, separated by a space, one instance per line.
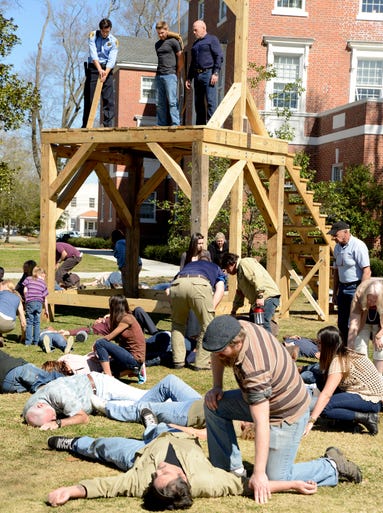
x=274 y=397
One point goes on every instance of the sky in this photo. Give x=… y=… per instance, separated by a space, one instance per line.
x=29 y=20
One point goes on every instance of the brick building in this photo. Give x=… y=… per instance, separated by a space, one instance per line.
x=335 y=49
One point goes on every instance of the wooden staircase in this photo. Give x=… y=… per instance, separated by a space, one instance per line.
x=306 y=244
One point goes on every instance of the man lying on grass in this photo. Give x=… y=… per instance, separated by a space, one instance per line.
x=167 y=468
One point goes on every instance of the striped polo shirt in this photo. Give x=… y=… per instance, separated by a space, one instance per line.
x=264 y=370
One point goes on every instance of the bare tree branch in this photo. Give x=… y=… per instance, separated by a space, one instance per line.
x=36 y=122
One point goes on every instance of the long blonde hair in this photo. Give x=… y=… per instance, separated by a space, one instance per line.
x=372 y=287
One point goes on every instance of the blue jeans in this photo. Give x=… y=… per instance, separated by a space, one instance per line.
x=56 y=341
x=175 y=411
x=118 y=451
x=344 y=300
x=284 y=443
x=32 y=316
x=25 y=378
x=270 y=306
x=167 y=100
x=343 y=406
x=205 y=97
x=121 y=358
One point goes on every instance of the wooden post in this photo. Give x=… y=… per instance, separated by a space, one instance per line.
x=275 y=238
x=135 y=179
x=324 y=279
x=48 y=218
x=200 y=190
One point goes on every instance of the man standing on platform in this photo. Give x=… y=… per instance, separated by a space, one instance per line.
x=103 y=48
x=206 y=62
x=351 y=267
x=170 y=64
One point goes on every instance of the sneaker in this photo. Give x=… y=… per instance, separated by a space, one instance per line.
x=47 y=344
x=239 y=472
x=347 y=470
x=81 y=336
x=98 y=403
x=148 y=418
x=60 y=443
x=142 y=374
x=69 y=345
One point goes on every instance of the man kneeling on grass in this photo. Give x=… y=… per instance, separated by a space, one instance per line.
x=167 y=468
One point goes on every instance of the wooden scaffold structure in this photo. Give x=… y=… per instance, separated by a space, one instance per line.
x=296 y=230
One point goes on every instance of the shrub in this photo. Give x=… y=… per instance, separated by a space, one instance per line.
x=376 y=267
x=90 y=242
x=163 y=254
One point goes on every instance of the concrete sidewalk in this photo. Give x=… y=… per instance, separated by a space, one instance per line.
x=150 y=269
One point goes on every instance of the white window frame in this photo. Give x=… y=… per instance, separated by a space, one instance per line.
x=336 y=172
x=73 y=202
x=143 y=97
x=371 y=16
x=150 y=202
x=362 y=50
x=201 y=9
x=289 y=11
x=222 y=12
x=92 y=202
x=288 y=46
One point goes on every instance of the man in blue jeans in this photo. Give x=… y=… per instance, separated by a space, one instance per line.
x=171 y=401
x=274 y=397
x=205 y=66
x=170 y=64
x=351 y=267
x=167 y=468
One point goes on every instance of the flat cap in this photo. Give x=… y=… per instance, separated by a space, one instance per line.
x=336 y=227
x=220 y=333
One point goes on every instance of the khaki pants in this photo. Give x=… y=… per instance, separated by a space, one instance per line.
x=190 y=294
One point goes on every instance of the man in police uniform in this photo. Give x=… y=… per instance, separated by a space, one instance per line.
x=103 y=48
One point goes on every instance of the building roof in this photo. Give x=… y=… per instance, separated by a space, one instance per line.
x=136 y=51
x=88 y=213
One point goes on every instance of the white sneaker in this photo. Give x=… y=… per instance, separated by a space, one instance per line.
x=69 y=345
x=47 y=344
x=98 y=403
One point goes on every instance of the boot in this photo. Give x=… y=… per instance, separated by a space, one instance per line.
x=369 y=421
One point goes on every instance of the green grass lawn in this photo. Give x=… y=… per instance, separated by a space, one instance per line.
x=12 y=257
x=30 y=470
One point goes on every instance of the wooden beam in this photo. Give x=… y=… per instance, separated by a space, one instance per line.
x=241 y=60
x=225 y=107
x=154 y=181
x=302 y=287
x=47 y=216
x=95 y=102
x=261 y=197
x=78 y=159
x=172 y=167
x=74 y=185
x=235 y=153
x=275 y=234
x=253 y=115
x=199 y=191
x=114 y=194
x=223 y=189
